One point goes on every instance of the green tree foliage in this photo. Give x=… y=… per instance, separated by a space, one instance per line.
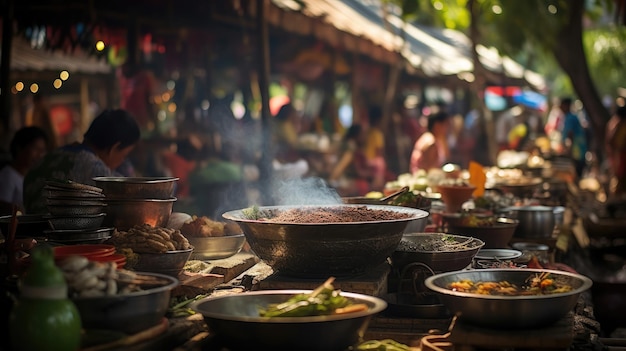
x=606 y=55
x=558 y=38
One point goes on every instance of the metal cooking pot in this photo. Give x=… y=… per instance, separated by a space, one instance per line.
x=534 y=221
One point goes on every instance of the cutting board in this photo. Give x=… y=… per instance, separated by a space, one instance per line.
x=215 y=273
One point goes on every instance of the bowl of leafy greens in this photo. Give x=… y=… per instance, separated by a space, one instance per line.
x=321 y=319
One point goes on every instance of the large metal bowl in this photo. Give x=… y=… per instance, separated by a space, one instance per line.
x=409 y=251
x=128 y=313
x=126 y=213
x=236 y=322
x=508 y=312
x=137 y=187
x=324 y=249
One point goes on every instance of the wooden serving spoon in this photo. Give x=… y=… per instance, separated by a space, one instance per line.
x=394 y=194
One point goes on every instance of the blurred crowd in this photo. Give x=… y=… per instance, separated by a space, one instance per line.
x=220 y=168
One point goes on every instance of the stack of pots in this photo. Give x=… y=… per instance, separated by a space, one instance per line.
x=137 y=200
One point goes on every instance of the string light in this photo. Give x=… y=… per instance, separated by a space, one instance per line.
x=64 y=75
x=100 y=45
x=34 y=88
x=19 y=86
x=57 y=83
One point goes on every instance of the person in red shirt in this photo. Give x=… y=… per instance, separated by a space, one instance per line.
x=180 y=162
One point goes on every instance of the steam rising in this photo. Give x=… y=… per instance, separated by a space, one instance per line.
x=305 y=191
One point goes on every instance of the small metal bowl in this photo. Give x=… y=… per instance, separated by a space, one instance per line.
x=497 y=254
x=76 y=222
x=61 y=235
x=74 y=201
x=62 y=192
x=236 y=322
x=215 y=248
x=128 y=313
x=76 y=210
x=170 y=263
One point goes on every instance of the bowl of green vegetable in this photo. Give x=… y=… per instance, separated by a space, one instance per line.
x=320 y=319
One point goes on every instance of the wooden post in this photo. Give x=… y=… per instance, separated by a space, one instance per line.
x=85 y=117
x=263 y=56
x=5 y=67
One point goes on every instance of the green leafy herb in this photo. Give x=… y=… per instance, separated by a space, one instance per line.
x=179 y=306
x=254 y=213
x=322 y=301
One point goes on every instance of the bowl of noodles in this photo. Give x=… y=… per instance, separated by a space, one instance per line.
x=509 y=298
x=324 y=240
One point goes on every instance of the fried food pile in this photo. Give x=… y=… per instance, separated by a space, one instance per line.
x=202 y=227
x=148 y=239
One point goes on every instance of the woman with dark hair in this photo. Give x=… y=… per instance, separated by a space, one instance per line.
x=286 y=134
x=27 y=147
x=110 y=138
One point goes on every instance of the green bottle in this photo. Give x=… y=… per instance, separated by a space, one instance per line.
x=44 y=318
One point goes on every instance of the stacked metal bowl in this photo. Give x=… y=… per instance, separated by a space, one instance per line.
x=137 y=200
x=76 y=213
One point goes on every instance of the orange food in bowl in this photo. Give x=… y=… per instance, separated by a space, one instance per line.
x=119 y=259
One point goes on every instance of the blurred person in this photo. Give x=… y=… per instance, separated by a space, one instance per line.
x=137 y=87
x=375 y=148
x=573 y=136
x=351 y=175
x=286 y=134
x=180 y=160
x=504 y=124
x=526 y=130
x=111 y=136
x=217 y=183
x=431 y=149
x=28 y=146
x=616 y=148
x=39 y=116
x=554 y=123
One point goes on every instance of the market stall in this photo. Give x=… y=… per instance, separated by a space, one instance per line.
x=397 y=259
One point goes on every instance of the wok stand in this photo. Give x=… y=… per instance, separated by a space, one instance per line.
x=416 y=301
x=373 y=282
